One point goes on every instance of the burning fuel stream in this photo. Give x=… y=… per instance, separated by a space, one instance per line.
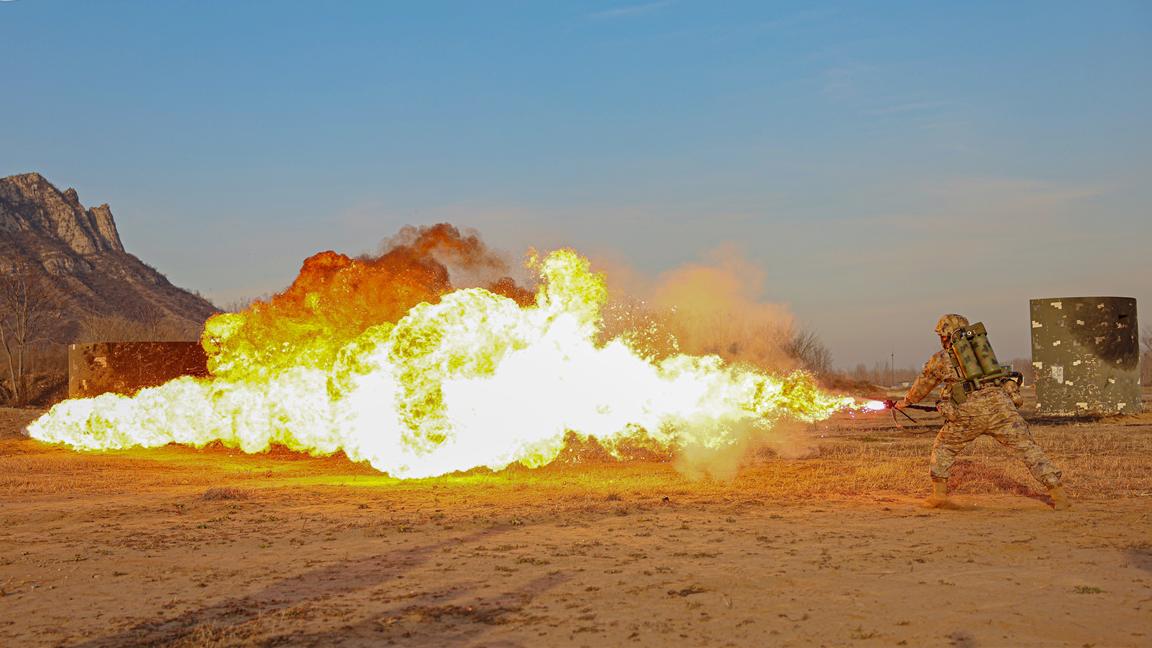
x=445 y=380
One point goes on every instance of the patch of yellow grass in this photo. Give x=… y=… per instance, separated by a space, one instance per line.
x=851 y=458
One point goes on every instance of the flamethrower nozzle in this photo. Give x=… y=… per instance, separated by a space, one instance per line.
x=891 y=404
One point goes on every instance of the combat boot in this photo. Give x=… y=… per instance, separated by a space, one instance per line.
x=1059 y=498
x=939 y=496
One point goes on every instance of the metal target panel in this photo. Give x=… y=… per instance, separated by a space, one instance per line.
x=1086 y=355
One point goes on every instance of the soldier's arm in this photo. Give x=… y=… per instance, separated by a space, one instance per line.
x=929 y=377
x=1013 y=390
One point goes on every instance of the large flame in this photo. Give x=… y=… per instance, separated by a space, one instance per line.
x=380 y=359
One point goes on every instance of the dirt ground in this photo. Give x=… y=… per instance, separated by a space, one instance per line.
x=211 y=547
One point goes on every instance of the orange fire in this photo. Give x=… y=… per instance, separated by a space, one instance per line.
x=382 y=359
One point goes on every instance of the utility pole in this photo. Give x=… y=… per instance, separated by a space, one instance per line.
x=892 y=368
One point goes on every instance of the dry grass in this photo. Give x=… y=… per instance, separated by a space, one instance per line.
x=1106 y=459
x=1098 y=460
x=212 y=547
x=224 y=494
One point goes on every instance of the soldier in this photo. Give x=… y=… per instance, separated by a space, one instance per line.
x=989 y=410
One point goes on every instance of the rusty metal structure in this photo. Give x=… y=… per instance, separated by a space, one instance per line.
x=1086 y=356
x=127 y=367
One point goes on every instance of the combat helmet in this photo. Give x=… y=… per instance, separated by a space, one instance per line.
x=949 y=324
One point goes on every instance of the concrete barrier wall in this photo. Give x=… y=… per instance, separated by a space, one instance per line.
x=127 y=367
x=1086 y=355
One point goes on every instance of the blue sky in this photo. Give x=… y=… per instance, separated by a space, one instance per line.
x=885 y=161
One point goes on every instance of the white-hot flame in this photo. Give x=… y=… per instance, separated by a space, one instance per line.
x=473 y=380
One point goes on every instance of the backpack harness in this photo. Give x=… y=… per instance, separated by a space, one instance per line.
x=976 y=363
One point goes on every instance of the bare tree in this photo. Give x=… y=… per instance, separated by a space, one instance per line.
x=119 y=329
x=27 y=312
x=806 y=348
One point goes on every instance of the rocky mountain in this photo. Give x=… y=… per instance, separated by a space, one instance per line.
x=77 y=253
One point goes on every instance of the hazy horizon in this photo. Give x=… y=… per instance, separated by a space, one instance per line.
x=883 y=165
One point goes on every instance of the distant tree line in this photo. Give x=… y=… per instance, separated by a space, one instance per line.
x=882 y=373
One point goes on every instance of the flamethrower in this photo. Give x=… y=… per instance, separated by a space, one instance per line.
x=881 y=405
x=891 y=404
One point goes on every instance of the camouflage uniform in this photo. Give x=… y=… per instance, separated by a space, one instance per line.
x=991 y=411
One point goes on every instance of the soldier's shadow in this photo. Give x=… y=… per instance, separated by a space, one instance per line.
x=971 y=476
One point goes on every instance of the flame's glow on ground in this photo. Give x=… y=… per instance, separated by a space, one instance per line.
x=475 y=379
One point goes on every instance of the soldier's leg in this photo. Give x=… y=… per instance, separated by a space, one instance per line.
x=949 y=443
x=1017 y=435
